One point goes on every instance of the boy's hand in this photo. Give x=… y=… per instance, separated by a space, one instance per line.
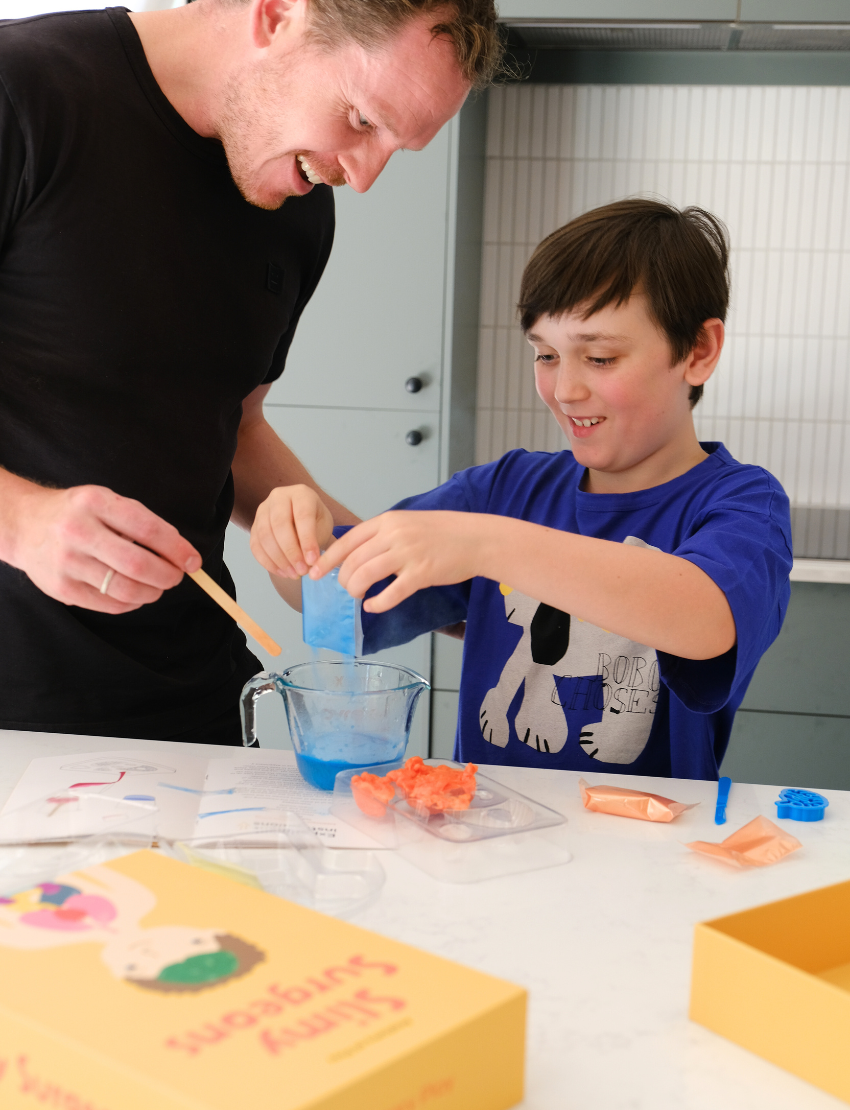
x=420 y=548
x=291 y=527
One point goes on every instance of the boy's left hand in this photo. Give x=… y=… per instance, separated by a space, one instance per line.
x=420 y=548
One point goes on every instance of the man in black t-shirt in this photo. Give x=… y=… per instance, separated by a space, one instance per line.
x=151 y=279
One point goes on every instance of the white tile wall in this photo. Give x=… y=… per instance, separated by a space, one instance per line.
x=774 y=164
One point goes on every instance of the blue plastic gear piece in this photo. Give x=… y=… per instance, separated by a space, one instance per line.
x=801 y=805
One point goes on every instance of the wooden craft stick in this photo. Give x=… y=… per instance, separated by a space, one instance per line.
x=236 y=611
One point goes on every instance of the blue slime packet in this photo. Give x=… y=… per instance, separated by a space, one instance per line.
x=330 y=616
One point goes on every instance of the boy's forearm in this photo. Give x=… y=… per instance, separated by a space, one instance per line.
x=651 y=597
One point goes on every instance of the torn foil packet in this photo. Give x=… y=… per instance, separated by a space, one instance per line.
x=754 y=845
x=630 y=803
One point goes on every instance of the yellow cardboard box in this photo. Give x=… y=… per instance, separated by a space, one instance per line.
x=145 y=983
x=776 y=980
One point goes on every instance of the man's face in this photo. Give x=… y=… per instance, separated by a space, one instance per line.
x=612 y=385
x=343 y=112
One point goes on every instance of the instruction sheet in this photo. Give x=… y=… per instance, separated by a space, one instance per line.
x=194 y=797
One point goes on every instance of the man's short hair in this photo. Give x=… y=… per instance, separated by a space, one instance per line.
x=470 y=24
x=679 y=259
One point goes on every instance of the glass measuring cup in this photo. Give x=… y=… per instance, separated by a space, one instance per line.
x=342 y=714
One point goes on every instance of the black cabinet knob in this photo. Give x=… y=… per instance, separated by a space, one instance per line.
x=414 y=438
x=413 y=385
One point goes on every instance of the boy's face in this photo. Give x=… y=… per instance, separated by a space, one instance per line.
x=615 y=370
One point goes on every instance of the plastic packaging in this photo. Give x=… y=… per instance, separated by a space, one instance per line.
x=755 y=845
x=630 y=803
x=330 y=616
x=501 y=832
x=292 y=864
x=23 y=866
x=801 y=805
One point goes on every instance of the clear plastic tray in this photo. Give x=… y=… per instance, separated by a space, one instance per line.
x=68 y=831
x=292 y=864
x=23 y=866
x=502 y=832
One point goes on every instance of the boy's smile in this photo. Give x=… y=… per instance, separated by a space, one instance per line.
x=609 y=381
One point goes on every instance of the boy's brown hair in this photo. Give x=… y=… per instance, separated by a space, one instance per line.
x=679 y=259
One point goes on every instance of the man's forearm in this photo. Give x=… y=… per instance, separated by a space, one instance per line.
x=648 y=596
x=262 y=463
x=15 y=493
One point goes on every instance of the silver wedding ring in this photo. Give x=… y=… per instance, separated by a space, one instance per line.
x=110 y=574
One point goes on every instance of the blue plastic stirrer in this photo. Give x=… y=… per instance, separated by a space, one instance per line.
x=722 y=797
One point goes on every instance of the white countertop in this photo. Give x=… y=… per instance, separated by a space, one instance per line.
x=603 y=943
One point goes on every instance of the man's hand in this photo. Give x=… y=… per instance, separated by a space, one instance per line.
x=291 y=527
x=420 y=548
x=67 y=541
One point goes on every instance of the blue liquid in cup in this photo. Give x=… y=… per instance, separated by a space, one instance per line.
x=325 y=756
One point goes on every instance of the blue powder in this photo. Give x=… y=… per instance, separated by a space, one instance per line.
x=330 y=615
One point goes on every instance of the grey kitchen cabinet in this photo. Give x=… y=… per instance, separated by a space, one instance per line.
x=678 y=10
x=792 y=11
x=757 y=11
x=361 y=456
x=398 y=300
x=793 y=727
x=376 y=319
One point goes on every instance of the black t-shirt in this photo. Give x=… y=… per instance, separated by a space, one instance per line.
x=141 y=300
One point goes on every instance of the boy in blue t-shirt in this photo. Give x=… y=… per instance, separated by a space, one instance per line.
x=617 y=596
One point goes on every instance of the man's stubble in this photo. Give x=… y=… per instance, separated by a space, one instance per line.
x=250 y=121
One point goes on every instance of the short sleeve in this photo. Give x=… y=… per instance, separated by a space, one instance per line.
x=743 y=543
x=306 y=292
x=12 y=167
x=428 y=609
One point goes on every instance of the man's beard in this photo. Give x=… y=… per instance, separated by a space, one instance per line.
x=245 y=112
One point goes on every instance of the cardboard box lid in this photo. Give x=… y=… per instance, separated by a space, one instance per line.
x=227 y=994
x=809 y=931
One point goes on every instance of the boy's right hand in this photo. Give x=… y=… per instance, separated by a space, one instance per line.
x=290 y=529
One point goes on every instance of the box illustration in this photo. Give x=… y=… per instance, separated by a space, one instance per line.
x=144 y=982
x=776 y=980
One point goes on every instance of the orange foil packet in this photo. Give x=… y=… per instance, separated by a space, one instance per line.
x=630 y=803
x=755 y=845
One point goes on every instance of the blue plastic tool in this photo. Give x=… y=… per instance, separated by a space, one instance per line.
x=801 y=805
x=722 y=797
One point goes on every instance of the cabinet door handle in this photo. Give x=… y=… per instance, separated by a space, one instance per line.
x=413 y=385
x=414 y=437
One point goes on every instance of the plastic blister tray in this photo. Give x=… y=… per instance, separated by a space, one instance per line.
x=501 y=833
x=292 y=864
x=23 y=866
x=68 y=831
